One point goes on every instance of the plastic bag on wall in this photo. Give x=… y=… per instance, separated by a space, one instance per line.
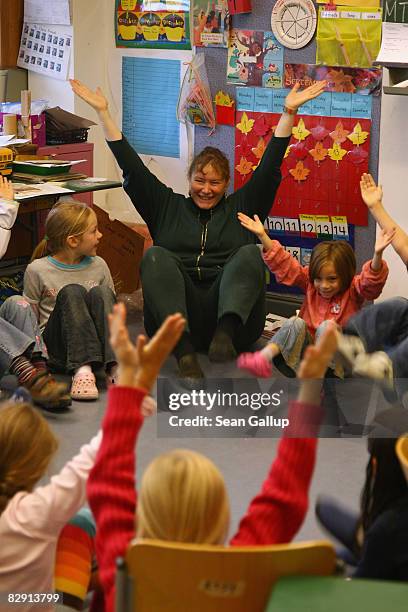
x=195 y=104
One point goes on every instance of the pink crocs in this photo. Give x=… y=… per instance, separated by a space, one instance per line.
x=84 y=387
x=256 y=363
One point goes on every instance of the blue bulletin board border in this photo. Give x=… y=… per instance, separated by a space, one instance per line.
x=301 y=242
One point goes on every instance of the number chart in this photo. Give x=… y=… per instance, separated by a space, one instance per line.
x=300 y=235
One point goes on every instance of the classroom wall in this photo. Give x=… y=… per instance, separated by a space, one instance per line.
x=393 y=177
x=216 y=61
x=97 y=62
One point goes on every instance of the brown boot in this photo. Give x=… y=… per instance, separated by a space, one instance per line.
x=48 y=393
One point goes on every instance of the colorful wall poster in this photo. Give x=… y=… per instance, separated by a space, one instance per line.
x=363 y=81
x=255 y=58
x=322 y=166
x=211 y=23
x=154 y=24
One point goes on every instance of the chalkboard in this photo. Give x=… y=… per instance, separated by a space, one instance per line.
x=395 y=11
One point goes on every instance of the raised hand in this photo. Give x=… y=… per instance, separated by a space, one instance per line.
x=152 y=354
x=254 y=225
x=96 y=98
x=317 y=358
x=370 y=192
x=125 y=351
x=6 y=188
x=384 y=239
x=296 y=97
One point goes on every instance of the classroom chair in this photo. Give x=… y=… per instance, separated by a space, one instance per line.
x=317 y=594
x=176 y=577
x=402 y=453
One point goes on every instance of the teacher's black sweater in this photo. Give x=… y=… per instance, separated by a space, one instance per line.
x=203 y=240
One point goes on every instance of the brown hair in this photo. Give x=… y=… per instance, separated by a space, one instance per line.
x=27 y=446
x=183 y=499
x=340 y=254
x=66 y=218
x=214 y=157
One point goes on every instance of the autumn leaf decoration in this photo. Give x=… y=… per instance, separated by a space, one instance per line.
x=261 y=127
x=339 y=134
x=300 y=132
x=299 y=172
x=246 y=124
x=337 y=153
x=358 y=136
x=319 y=153
x=319 y=132
x=259 y=150
x=244 y=167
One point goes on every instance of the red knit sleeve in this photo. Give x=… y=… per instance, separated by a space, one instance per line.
x=111 y=485
x=275 y=515
x=369 y=284
x=285 y=267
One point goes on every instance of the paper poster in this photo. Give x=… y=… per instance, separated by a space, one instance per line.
x=154 y=24
x=211 y=23
x=239 y=6
x=394 y=44
x=150 y=94
x=255 y=59
x=322 y=166
x=363 y=81
x=54 y=12
x=45 y=50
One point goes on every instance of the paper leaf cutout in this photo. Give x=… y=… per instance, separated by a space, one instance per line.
x=337 y=153
x=246 y=124
x=288 y=148
x=300 y=132
x=319 y=132
x=299 y=172
x=261 y=127
x=357 y=155
x=339 y=134
x=319 y=153
x=255 y=167
x=259 y=150
x=358 y=136
x=244 y=148
x=341 y=81
x=244 y=167
x=298 y=150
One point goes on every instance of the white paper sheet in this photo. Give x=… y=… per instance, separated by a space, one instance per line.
x=22 y=191
x=55 y=12
x=45 y=50
x=394 y=44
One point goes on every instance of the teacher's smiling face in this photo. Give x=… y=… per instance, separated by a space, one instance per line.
x=207 y=187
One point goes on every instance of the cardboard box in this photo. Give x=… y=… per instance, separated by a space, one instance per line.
x=122 y=249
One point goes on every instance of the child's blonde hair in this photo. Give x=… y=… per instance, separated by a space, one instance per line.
x=183 y=499
x=66 y=218
x=340 y=254
x=27 y=446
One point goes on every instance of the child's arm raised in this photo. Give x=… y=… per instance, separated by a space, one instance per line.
x=374 y=273
x=285 y=267
x=372 y=196
x=384 y=239
x=111 y=485
x=275 y=515
x=8 y=212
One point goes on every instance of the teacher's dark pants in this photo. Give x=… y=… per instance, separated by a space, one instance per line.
x=239 y=288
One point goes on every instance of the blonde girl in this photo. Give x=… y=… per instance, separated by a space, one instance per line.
x=72 y=291
x=182 y=494
x=333 y=292
x=31 y=519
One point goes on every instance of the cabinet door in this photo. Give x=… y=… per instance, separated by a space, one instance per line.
x=11 y=23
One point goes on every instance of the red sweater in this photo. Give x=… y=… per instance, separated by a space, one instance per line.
x=273 y=517
x=315 y=309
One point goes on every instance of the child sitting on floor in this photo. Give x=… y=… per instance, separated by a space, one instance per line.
x=333 y=291
x=72 y=292
x=22 y=349
x=182 y=495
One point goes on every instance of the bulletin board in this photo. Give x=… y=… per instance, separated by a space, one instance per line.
x=362 y=237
